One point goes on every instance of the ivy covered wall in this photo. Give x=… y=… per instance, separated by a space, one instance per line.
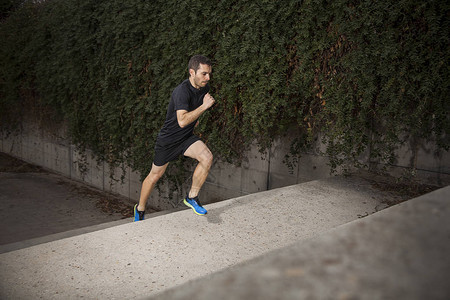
x=368 y=75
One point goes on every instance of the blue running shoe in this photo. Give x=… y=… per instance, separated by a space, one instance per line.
x=138 y=215
x=195 y=205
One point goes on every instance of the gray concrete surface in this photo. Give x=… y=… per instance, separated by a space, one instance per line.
x=142 y=259
x=402 y=252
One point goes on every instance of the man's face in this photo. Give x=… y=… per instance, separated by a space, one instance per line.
x=201 y=77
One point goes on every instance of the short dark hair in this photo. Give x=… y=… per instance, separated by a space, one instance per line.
x=196 y=60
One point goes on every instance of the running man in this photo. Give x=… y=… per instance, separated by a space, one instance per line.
x=189 y=101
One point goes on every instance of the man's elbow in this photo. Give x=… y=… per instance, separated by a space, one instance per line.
x=182 y=123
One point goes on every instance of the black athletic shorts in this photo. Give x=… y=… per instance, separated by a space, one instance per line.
x=170 y=152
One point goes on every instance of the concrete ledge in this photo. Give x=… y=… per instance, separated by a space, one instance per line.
x=71 y=233
x=145 y=258
x=398 y=253
x=58 y=236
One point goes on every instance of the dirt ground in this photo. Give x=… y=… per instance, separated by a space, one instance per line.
x=35 y=202
x=401 y=188
x=107 y=202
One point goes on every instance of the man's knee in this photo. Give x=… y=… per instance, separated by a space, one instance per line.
x=152 y=178
x=155 y=175
x=206 y=158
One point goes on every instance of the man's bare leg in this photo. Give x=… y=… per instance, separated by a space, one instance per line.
x=203 y=155
x=149 y=183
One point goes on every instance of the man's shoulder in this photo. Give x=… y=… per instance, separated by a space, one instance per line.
x=183 y=86
x=182 y=89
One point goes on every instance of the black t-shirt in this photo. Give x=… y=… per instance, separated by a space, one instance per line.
x=184 y=97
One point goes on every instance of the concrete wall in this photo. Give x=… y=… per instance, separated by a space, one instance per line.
x=259 y=172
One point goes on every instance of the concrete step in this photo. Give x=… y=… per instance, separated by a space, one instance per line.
x=141 y=259
x=399 y=253
x=74 y=232
x=60 y=235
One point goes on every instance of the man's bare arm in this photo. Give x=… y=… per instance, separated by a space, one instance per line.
x=185 y=118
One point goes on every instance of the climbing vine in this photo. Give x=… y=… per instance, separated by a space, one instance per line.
x=366 y=75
